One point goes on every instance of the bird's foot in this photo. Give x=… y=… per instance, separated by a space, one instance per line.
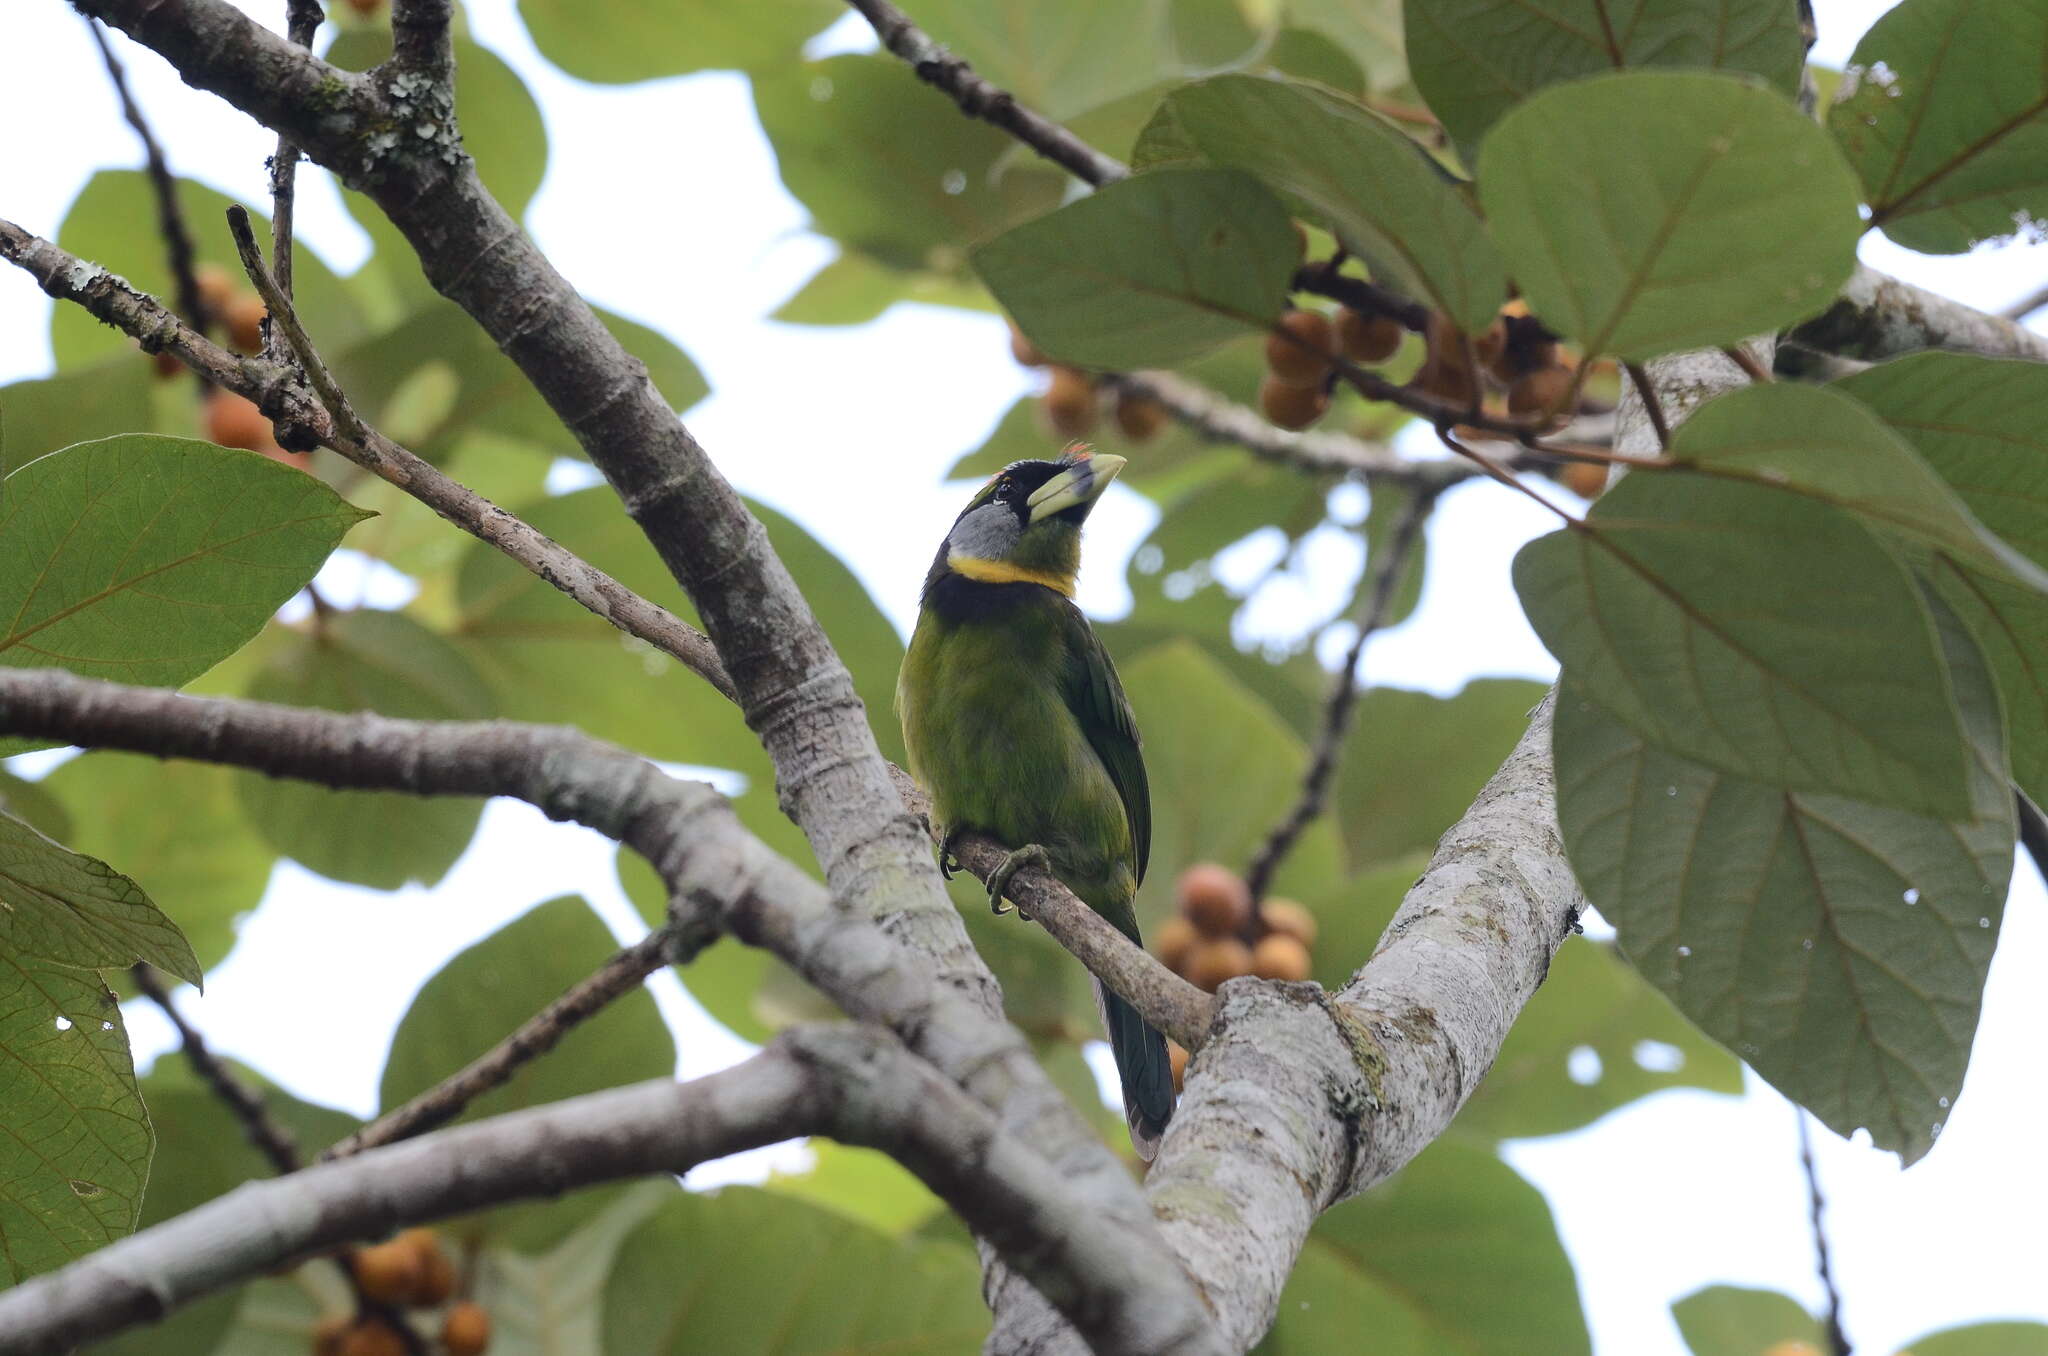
x=999 y=879
x=948 y=863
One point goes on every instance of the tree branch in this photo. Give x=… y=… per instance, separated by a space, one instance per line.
x=276 y=389
x=978 y=98
x=1378 y=599
x=539 y=1034
x=853 y=1084
x=422 y=42
x=1816 y=1207
x=272 y=1140
x=302 y=21
x=1878 y=317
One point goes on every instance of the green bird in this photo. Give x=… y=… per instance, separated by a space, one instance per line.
x=1018 y=728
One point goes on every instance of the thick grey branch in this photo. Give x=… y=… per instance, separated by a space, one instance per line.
x=854 y=1084
x=1878 y=317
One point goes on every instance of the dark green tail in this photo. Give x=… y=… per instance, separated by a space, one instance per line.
x=1142 y=1064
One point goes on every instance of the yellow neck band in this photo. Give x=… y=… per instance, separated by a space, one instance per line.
x=1002 y=572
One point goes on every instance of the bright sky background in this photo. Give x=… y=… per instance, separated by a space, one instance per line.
x=684 y=225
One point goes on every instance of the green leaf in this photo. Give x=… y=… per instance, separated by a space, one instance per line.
x=1591 y=1000
x=113 y=222
x=32 y=804
x=1727 y=1320
x=1474 y=60
x=74 y=1139
x=1384 y=810
x=862 y=1184
x=1982 y=1339
x=1223 y=768
x=203 y=864
x=1816 y=442
x=483 y=994
x=1057 y=57
x=1148 y=272
x=1347 y=169
x=1839 y=946
x=634 y=43
x=1307 y=55
x=1388 y=506
x=148 y=559
x=111 y=396
x=552 y=1304
x=889 y=167
x=1943 y=111
x=1645 y=245
x=367 y=661
x=1982 y=423
x=2011 y=626
x=1369 y=30
x=1758 y=632
x=785 y=1277
x=1456 y=1253
x=854 y=289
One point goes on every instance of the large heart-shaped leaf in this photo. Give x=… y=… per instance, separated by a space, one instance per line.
x=1346 y=168
x=1148 y=272
x=1628 y=207
x=1943 y=111
x=1839 y=946
x=1756 y=631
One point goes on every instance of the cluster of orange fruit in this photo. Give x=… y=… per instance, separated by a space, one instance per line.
x=411 y=1271
x=1301 y=354
x=1218 y=934
x=1073 y=399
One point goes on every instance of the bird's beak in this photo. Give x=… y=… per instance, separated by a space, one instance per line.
x=1080 y=484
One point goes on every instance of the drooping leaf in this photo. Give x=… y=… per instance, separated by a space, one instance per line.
x=1647 y=246
x=1455 y=1253
x=785 y=1277
x=643 y=44
x=1943 y=111
x=1384 y=810
x=1727 y=1320
x=1838 y=946
x=1148 y=272
x=501 y=124
x=887 y=166
x=148 y=559
x=1675 y=605
x=1344 y=167
x=1474 y=60
x=74 y=1139
x=1059 y=56
x=2011 y=626
x=177 y=829
x=487 y=991
x=385 y=662
x=113 y=223
x=1815 y=442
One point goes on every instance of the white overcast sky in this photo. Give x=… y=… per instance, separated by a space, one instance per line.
x=685 y=226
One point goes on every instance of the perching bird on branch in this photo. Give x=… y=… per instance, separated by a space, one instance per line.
x=1017 y=726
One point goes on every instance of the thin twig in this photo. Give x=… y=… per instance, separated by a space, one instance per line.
x=539 y=1034
x=170 y=216
x=1376 y=602
x=1651 y=405
x=1738 y=355
x=302 y=20
x=2026 y=305
x=1370 y=298
x=271 y=1139
x=2033 y=830
x=1838 y=1341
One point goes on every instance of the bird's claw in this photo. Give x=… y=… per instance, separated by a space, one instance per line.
x=999 y=879
x=948 y=863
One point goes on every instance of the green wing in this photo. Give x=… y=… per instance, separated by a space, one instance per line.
x=1097 y=700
